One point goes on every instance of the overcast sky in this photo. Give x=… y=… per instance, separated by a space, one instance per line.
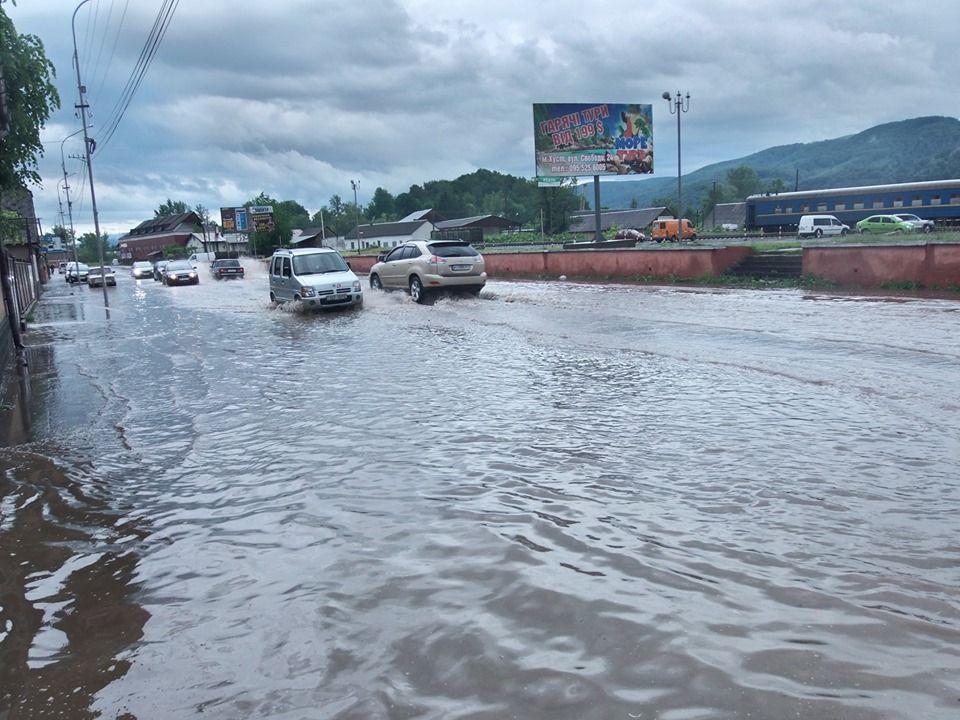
x=298 y=97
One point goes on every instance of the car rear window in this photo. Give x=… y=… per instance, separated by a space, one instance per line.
x=447 y=250
x=228 y=263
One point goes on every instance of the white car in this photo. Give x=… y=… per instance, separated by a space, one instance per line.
x=820 y=226
x=142 y=269
x=919 y=223
x=77 y=272
x=95 y=279
x=314 y=277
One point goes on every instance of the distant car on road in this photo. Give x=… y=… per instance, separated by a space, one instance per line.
x=95 y=279
x=77 y=272
x=158 y=269
x=919 y=223
x=630 y=234
x=180 y=272
x=223 y=269
x=142 y=269
x=422 y=267
x=885 y=224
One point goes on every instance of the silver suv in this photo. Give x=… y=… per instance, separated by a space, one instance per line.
x=424 y=266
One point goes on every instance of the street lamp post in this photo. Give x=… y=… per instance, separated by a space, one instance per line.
x=87 y=143
x=355 y=184
x=678 y=105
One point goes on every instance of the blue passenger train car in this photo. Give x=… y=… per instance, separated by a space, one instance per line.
x=937 y=200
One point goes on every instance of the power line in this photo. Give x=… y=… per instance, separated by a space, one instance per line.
x=147 y=54
x=113 y=50
x=103 y=40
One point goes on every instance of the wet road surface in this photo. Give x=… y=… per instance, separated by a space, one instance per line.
x=554 y=501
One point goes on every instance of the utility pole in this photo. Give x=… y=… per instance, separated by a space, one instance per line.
x=355 y=184
x=89 y=145
x=677 y=107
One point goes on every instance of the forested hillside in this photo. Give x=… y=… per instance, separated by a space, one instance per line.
x=925 y=148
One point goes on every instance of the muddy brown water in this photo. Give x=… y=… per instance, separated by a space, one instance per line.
x=555 y=501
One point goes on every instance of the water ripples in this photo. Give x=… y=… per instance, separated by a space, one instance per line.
x=547 y=502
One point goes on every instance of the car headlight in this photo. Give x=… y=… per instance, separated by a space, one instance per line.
x=193 y=274
x=307 y=292
x=356 y=286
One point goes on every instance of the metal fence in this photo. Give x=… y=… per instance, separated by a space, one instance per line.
x=24 y=285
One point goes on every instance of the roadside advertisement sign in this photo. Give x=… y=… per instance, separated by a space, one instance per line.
x=228 y=220
x=233 y=220
x=261 y=216
x=600 y=139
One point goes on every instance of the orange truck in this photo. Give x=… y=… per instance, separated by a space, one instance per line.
x=667 y=229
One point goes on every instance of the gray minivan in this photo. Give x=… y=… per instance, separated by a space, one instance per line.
x=316 y=277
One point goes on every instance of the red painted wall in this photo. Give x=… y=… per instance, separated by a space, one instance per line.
x=602 y=264
x=872 y=265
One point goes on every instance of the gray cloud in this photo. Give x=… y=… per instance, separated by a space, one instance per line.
x=298 y=97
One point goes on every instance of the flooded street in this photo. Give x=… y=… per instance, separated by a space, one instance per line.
x=559 y=500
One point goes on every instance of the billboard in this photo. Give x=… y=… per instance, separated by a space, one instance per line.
x=261 y=216
x=600 y=139
x=233 y=220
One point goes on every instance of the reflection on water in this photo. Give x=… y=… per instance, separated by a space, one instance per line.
x=554 y=501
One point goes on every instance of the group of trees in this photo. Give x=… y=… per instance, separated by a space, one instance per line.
x=483 y=192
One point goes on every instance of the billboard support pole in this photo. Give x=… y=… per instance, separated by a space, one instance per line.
x=596 y=208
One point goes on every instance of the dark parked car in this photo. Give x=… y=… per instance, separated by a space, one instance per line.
x=158 y=269
x=180 y=272
x=223 y=269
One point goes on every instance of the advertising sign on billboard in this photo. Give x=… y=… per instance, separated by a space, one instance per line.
x=262 y=217
x=228 y=220
x=599 y=139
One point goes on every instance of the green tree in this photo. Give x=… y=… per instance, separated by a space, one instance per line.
x=171 y=207
x=777 y=186
x=744 y=181
x=27 y=96
x=175 y=252
x=87 y=249
x=382 y=207
x=665 y=202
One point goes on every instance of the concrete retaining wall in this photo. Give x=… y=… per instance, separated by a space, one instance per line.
x=602 y=264
x=934 y=266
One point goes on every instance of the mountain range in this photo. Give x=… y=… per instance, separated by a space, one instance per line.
x=924 y=148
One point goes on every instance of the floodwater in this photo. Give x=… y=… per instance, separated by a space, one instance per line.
x=555 y=501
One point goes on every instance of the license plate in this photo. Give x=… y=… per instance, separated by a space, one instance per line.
x=461 y=267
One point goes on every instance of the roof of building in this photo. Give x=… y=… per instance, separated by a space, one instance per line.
x=165 y=225
x=391 y=229
x=428 y=214
x=477 y=221
x=728 y=214
x=638 y=219
x=310 y=233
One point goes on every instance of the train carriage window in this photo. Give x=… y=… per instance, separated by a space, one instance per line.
x=917 y=201
x=898 y=202
x=804 y=208
x=858 y=205
x=821 y=207
x=955 y=199
x=877 y=204
x=788 y=209
x=840 y=206
x=934 y=199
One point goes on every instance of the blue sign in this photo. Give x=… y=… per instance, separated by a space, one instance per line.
x=241 y=217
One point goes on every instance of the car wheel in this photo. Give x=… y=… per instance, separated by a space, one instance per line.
x=375 y=282
x=926 y=228
x=843 y=233
x=416 y=290
x=819 y=233
x=673 y=238
x=273 y=298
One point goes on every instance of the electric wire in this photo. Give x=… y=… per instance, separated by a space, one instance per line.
x=157 y=32
x=113 y=50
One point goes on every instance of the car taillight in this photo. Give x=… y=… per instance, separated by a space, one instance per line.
x=437 y=259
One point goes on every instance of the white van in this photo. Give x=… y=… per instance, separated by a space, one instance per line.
x=200 y=257
x=821 y=226
x=317 y=277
